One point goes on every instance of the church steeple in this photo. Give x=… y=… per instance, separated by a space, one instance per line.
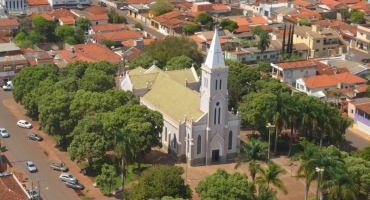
x=215 y=58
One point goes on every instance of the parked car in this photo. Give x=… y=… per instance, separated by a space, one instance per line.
x=32 y=193
x=31 y=167
x=4 y=133
x=123 y=8
x=75 y=185
x=24 y=124
x=8 y=86
x=58 y=167
x=34 y=136
x=67 y=178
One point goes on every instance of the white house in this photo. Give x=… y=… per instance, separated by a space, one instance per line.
x=289 y=72
x=198 y=128
x=98 y=19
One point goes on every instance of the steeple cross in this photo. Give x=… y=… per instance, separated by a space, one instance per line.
x=217 y=52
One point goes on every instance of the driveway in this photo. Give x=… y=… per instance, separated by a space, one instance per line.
x=20 y=149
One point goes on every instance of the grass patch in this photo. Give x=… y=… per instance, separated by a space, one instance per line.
x=87 y=198
x=131 y=174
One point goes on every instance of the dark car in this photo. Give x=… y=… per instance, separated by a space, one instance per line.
x=34 y=136
x=365 y=60
x=76 y=185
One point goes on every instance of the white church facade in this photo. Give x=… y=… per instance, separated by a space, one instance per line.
x=198 y=128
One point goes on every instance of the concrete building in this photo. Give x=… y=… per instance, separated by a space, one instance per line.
x=289 y=72
x=13 y=6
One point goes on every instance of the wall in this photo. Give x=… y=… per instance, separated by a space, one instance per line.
x=351 y=110
x=363 y=120
x=299 y=73
x=8 y=27
x=98 y=22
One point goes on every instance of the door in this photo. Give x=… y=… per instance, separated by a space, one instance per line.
x=216 y=155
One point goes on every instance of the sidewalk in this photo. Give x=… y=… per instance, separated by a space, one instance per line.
x=359 y=133
x=56 y=155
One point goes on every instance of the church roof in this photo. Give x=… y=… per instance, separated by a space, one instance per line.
x=215 y=58
x=173 y=98
x=182 y=75
x=141 y=81
x=137 y=71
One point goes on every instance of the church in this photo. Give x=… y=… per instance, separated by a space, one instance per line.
x=198 y=128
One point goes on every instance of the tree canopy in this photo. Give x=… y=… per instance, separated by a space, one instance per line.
x=164 y=50
x=357 y=17
x=203 y=18
x=190 y=29
x=160 y=7
x=180 y=62
x=115 y=18
x=144 y=60
x=304 y=22
x=228 y=24
x=160 y=181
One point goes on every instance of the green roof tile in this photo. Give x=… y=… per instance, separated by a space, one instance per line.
x=181 y=75
x=140 y=81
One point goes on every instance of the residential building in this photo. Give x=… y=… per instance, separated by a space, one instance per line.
x=38 y=6
x=252 y=55
x=13 y=6
x=11 y=65
x=353 y=67
x=220 y=9
x=116 y=37
x=98 y=19
x=204 y=38
x=131 y=54
x=289 y=72
x=140 y=12
x=96 y=10
x=11 y=188
x=37 y=57
x=6 y=35
x=91 y=52
x=317 y=85
x=323 y=68
x=322 y=42
x=362 y=118
x=202 y=7
x=6 y=24
x=347 y=31
x=265 y=9
x=352 y=103
x=278 y=14
x=198 y=128
x=251 y=21
x=58 y=13
x=172 y=23
x=363 y=37
x=67 y=21
x=106 y=28
x=69 y=4
x=302 y=14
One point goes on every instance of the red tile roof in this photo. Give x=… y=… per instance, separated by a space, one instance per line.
x=46 y=16
x=9 y=22
x=97 y=17
x=134 y=54
x=359 y=5
x=67 y=20
x=5 y=39
x=255 y=21
x=296 y=64
x=243 y=28
x=96 y=10
x=10 y=189
x=220 y=7
x=58 y=13
x=5 y=32
x=131 y=42
x=320 y=81
x=109 y=27
x=364 y=107
x=35 y=3
x=362 y=88
x=222 y=41
x=184 y=6
x=194 y=14
x=168 y=16
x=302 y=3
x=116 y=36
x=327 y=69
x=197 y=39
x=348 y=78
x=349 y=1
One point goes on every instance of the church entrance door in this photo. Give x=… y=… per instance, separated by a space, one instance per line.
x=216 y=155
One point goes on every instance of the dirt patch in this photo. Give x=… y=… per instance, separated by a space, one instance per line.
x=46 y=153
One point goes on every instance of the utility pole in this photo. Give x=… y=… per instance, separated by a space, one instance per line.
x=38 y=185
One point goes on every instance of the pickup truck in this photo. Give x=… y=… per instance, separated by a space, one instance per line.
x=57 y=166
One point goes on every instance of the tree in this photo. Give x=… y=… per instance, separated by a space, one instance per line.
x=209 y=26
x=264 y=66
x=228 y=24
x=264 y=42
x=29 y=78
x=79 y=35
x=35 y=37
x=107 y=176
x=70 y=40
x=203 y=18
x=358 y=171
x=160 y=7
x=368 y=90
x=270 y=176
x=251 y=153
x=90 y=146
x=340 y=185
x=76 y=69
x=326 y=16
x=64 y=31
x=190 y=29
x=139 y=26
x=144 y=60
x=304 y=22
x=108 y=43
x=54 y=114
x=45 y=28
x=293 y=112
x=179 y=62
x=265 y=193
x=96 y=81
x=159 y=181
x=257 y=30
x=344 y=14
x=25 y=25
x=362 y=153
x=224 y=186
x=164 y=50
x=20 y=37
x=89 y=124
x=83 y=23
x=115 y=18
x=357 y=17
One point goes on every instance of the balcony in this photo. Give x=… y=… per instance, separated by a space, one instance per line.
x=331 y=43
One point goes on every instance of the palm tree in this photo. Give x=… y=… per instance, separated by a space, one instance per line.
x=341 y=185
x=270 y=176
x=266 y=194
x=306 y=171
x=293 y=112
x=264 y=42
x=309 y=118
x=252 y=152
x=326 y=121
x=124 y=151
x=337 y=94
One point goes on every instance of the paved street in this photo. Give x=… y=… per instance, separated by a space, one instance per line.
x=356 y=140
x=19 y=148
x=359 y=55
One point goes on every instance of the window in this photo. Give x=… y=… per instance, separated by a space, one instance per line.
x=272 y=56
x=258 y=57
x=361 y=33
x=230 y=146
x=96 y=23
x=316 y=50
x=214 y=119
x=216 y=85
x=243 y=59
x=324 y=49
x=199 y=145
x=165 y=134
x=219 y=113
x=174 y=141
x=220 y=84
x=317 y=41
x=264 y=56
x=188 y=142
x=352 y=111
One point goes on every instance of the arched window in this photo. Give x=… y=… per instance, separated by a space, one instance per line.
x=199 y=145
x=220 y=84
x=214 y=120
x=216 y=85
x=165 y=134
x=188 y=142
x=230 y=146
x=174 y=141
x=219 y=115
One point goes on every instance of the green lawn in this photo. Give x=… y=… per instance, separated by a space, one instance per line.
x=130 y=176
x=87 y=198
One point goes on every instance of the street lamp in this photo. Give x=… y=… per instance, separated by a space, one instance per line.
x=318 y=170
x=188 y=141
x=269 y=126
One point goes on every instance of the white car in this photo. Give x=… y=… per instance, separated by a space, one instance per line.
x=24 y=124
x=123 y=8
x=4 y=133
x=67 y=178
x=31 y=167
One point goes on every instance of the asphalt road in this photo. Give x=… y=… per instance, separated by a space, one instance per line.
x=20 y=149
x=359 y=55
x=354 y=141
